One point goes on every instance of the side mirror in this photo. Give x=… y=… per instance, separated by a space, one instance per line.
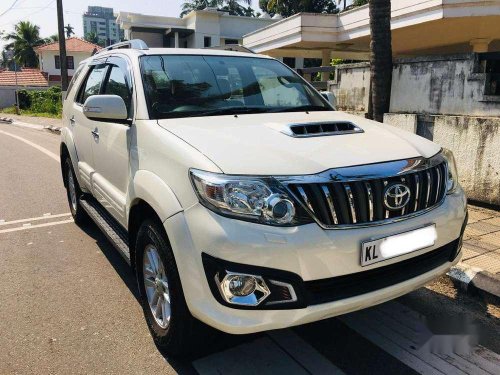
x=110 y=107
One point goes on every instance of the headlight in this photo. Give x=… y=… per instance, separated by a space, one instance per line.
x=452 y=179
x=259 y=199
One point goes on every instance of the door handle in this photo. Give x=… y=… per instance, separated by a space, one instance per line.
x=95 y=133
x=72 y=120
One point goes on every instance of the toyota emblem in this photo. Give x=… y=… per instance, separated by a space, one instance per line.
x=396 y=196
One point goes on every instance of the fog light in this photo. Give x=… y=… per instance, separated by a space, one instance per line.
x=240 y=285
x=242 y=289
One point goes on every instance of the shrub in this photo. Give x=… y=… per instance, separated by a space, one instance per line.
x=41 y=101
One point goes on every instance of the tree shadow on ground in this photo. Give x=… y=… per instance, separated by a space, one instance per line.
x=213 y=341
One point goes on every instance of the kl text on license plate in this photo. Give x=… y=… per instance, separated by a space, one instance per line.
x=398 y=244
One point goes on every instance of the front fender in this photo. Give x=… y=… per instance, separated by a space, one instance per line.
x=150 y=188
x=68 y=141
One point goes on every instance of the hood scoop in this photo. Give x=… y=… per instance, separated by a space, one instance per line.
x=321 y=129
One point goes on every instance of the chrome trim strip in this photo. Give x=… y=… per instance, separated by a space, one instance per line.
x=370 y=200
x=305 y=198
x=329 y=199
x=351 y=202
x=438 y=183
x=365 y=172
x=386 y=211
x=403 y=210
x=417 y=192
x=429 y=188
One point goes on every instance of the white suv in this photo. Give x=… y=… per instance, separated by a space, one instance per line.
x=242 y=199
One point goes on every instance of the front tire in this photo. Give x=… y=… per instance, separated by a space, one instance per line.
x=74 y=193
x=167 y=315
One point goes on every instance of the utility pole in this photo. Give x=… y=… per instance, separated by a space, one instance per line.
x=62 y=46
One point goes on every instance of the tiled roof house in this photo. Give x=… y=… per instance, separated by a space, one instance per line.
x=77 y=50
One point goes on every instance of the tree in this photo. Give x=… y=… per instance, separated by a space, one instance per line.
x=53 y=38
x=287 y=8
x=191 y=5
x=380 y=57
x=23 y=41
x=232 y=6
x=235 y=9
x=91 y=37
x=69 y=30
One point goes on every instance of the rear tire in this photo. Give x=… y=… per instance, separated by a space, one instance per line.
x=74 y=193
x=172 y=326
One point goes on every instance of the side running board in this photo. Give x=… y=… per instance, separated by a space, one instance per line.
x=108 y=225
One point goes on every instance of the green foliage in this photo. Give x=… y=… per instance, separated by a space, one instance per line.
x=358 y=3
x=23 y=41
x=41 y=101
x=288 y=8
x=92 y=37
x=232 y=6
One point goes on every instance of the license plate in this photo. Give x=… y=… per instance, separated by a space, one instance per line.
x=399 y=244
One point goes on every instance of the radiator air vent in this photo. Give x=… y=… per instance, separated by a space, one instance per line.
x=321 y=129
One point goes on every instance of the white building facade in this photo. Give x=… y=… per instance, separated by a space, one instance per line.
x=198 y=29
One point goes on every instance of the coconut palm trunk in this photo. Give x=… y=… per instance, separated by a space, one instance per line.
x=380 y=57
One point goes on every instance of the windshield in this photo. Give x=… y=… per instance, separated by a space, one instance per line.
x=186 y=85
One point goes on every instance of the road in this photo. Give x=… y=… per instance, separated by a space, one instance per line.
x=68 y=302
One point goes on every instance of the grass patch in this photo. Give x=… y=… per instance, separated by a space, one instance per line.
x=27 y=112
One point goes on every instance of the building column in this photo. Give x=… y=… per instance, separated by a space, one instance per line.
x=480 y=45
x=326 y=56
x=176 y=39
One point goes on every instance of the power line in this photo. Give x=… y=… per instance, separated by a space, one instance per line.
x=9 y=8
x=38 y=11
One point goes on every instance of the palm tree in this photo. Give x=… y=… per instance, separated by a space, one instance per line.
x=380 y=57
x=23 y=41
x=69 y=30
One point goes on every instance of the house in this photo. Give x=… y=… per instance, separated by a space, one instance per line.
x=24 y=78
x=77 y=50
x=445 y=81
x=198 y=29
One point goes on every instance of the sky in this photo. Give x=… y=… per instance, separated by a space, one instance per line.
x=43 y=12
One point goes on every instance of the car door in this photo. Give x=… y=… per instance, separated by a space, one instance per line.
x=82 y=127
x=111 y=143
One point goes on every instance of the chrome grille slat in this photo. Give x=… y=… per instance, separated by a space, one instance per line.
x=350 y=198
x=438 y=182
x=429 y=188
x=329 y=200
x=305 y=198
x=358 y=200
x=370 y=200
x=417 y=191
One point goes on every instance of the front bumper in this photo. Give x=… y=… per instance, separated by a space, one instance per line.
x=311 y=253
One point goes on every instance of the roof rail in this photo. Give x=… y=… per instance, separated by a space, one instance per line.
x=232 y=47
x=128 y=44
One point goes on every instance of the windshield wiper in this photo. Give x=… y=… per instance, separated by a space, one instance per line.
x=302 y=108
x=231 y=111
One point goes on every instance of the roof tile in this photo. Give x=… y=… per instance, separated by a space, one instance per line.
x=25 y=77
x=72 y=45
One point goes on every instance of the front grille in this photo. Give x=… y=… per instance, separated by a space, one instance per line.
x=360 y=201
x=340 y=287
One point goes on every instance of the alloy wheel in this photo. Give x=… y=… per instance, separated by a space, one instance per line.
x=156 y=286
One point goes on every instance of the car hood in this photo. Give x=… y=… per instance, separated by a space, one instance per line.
x=254 y=144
